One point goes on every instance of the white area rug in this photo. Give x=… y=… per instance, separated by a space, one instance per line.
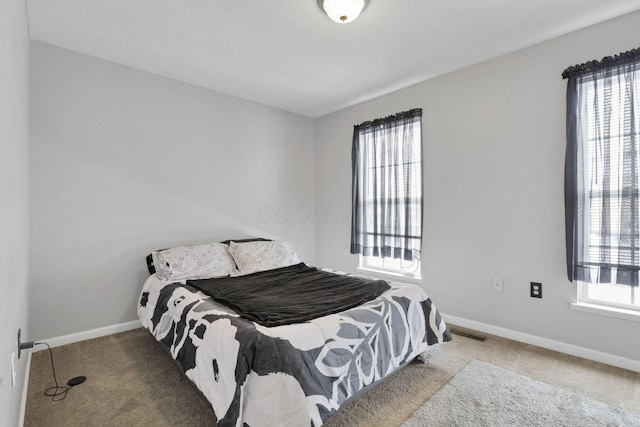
x=485 y=395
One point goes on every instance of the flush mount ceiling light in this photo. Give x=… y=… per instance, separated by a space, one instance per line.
x=343 y=11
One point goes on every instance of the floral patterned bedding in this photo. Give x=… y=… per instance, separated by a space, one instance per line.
x=293 y=375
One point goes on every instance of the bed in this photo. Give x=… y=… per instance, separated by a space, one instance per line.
x=294 y=369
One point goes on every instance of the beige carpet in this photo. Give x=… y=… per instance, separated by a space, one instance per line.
x=131 y=382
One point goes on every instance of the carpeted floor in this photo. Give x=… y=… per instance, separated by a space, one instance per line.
x=131 y=382
x=484 y=395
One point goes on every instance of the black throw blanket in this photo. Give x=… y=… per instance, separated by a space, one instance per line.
x=293 y=294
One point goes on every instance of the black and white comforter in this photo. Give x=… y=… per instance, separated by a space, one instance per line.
x=297 y=374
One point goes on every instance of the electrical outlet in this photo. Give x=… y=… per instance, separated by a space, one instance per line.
x=497 y=284
x=536 y=290
x=23 y=345
x=13 y=369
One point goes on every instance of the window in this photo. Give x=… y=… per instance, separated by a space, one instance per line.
x=602 y=180
x=390 y=265
x=613 y=295
x=386 y=229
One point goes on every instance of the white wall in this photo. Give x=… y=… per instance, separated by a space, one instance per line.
x=124 y=162
x=494 y=140
x=14 y=201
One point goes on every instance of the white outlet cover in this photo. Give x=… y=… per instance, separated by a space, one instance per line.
x=13 y=369
x=497 y=284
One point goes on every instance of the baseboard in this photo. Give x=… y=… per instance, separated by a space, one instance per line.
x=574 y=350
x=25 y=390
x=87 y=335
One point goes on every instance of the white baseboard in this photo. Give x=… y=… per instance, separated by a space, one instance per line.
x=25 y=390
x=574 y=350
x=87 y=335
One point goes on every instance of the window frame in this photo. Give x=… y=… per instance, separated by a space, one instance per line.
x=604 y=297
x=583 y=288
x=391 y=262
x=365 y=265
x=583 y=296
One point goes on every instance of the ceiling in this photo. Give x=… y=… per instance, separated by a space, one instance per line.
x=288 y=54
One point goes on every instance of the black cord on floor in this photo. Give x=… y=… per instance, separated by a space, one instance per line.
x=56 y=392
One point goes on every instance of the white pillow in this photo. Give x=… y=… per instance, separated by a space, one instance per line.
x=251 y=257
x=193 y=262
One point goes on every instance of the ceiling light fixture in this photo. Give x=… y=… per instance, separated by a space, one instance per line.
x=343 y=11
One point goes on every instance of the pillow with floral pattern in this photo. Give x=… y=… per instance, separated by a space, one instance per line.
x=193 y=262
x=251 y=257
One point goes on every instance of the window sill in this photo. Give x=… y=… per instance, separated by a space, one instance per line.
x=392 y=277
x=604 y=310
